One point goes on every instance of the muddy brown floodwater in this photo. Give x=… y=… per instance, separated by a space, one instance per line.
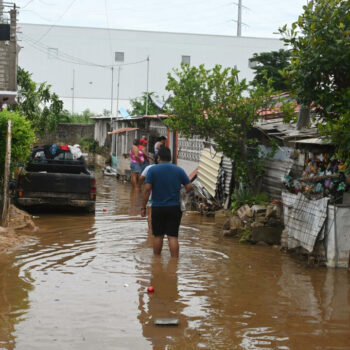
x=82 y=285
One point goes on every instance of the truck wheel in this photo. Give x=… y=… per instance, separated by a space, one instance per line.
x=90 y=208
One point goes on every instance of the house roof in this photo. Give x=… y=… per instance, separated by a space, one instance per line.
x=156 y=116
x=276 y=128
x=118 y=131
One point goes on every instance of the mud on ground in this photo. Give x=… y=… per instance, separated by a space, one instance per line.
x=17 y=233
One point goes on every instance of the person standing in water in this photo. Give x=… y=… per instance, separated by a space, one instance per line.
x=164 y=181
x=136 y=162
x=160 y=143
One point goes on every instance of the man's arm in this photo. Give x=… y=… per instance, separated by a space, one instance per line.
x=189 y=187
x=186 y=181
x=142 y=179
x=146 y=193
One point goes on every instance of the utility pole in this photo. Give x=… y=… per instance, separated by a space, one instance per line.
x=1 y=10
x=118 y=90
x=147 y=85
x=5 y=209
x=73 y=88
x=112 y=88
x=239 y=19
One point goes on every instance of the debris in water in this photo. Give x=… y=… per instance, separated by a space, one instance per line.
x=166 y=321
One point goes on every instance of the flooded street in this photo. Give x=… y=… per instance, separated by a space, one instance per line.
x=82 y=284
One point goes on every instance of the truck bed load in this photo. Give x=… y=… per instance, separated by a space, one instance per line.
x=56 y=176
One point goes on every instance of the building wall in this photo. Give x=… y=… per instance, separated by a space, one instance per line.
x=8 y=55
x=48 y=60
x=69 y=134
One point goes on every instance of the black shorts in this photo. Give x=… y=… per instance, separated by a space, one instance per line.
x=166 y=220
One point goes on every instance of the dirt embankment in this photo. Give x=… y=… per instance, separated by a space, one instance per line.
x=17 y=233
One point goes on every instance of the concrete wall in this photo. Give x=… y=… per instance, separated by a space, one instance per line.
x=67 y=133
x=52 y=60
x=8 y=57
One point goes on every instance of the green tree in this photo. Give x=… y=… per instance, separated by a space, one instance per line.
x=84 y=117
x=213 y=104
x=23 y=138
x=320 y=66
x=271 y=64
x=138 y=105
x=36 y=101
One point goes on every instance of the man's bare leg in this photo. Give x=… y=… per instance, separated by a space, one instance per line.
x=149 y=220
x=157 y=244
x=173 y=246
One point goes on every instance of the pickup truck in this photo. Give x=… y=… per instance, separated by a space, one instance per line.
x=57 y=181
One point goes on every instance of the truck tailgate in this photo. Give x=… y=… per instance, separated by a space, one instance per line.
x=55 y=182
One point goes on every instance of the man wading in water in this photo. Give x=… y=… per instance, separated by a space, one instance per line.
x=164 y=180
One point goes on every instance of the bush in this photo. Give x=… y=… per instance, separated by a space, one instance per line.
x=81 y=118
x=245 y=196
x=88 y=144
x=23 y=138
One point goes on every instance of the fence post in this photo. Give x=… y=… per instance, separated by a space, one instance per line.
x=5 y=209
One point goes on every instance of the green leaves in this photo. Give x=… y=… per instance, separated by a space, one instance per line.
x=320 y=66
x=138 y=105
x=214 y=104
x=23 y=137
x=37 y=103
x=270 y=65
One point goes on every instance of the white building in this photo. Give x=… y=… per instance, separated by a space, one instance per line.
x=77 y=61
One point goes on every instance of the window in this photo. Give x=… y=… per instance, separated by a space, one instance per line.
x=119 y=56
x=52 y=53
x=186 y=59
x=252 y=64
x=4 y=32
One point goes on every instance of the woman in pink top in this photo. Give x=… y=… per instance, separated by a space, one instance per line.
x=136 y=162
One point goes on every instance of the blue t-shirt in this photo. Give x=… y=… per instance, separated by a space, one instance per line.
x=166 y=180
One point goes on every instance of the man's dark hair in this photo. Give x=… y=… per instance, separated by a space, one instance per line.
x=136 y=142
x=162 y=138
x=164 y=154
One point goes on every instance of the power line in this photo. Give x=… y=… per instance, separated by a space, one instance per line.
x=66 y=56
x=72 y=59
x=28 y=3
x=39 y=15
x=59 y=19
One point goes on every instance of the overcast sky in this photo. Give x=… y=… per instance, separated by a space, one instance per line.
x=261 y=17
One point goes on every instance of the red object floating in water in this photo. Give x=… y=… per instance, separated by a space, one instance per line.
x=104 y=210
x=150 y=289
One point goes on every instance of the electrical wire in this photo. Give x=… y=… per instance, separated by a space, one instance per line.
x=49 y=20
x=66 y=56
x=59 y=19
x=62 y=56
x=28 y=3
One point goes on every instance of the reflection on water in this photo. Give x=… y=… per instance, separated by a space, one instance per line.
x=164 y=303
x=14 y=301
x=82 y=285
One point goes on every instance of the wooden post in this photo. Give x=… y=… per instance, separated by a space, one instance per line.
x=5 y=209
